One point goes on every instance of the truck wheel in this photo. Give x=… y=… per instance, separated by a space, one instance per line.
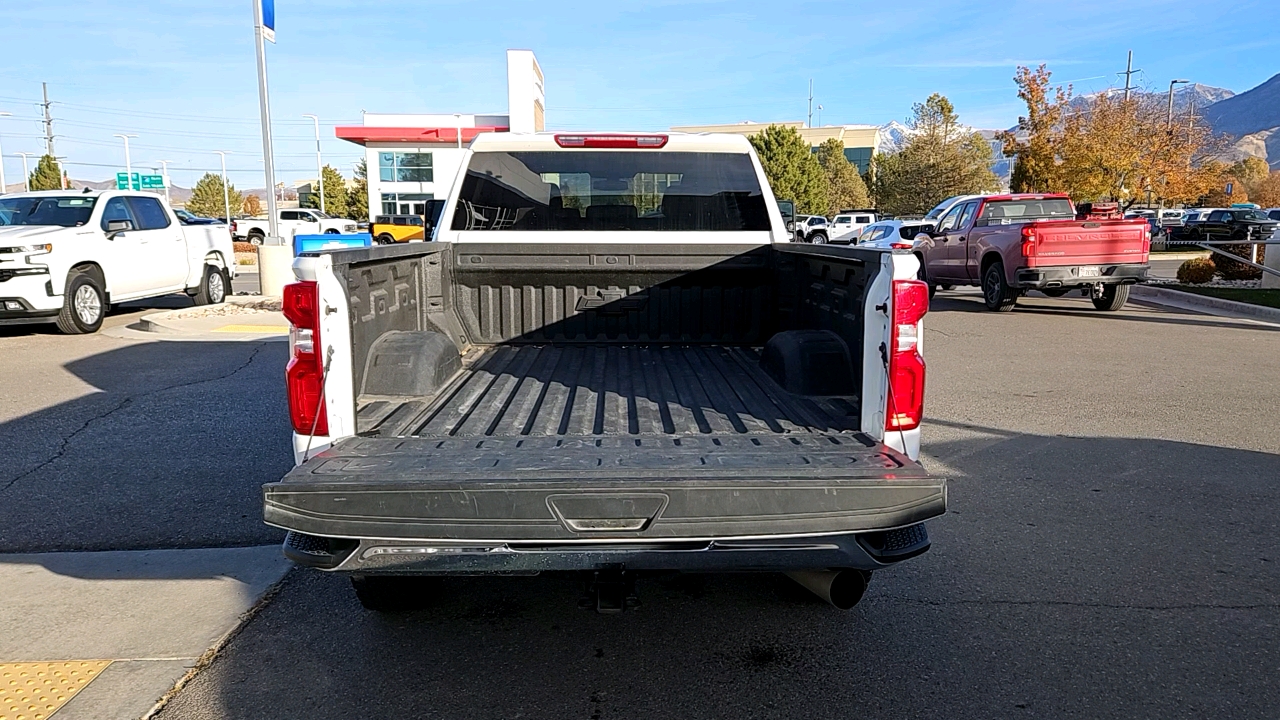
x=818 y=239
x=385 y=239
x=391 y=593
x=923 y=277
x=1113 y=297
x=255 y=237
x=213 y=287
x=996 y=292
x=83 y=306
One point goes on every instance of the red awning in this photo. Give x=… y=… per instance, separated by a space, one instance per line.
x=361 y=134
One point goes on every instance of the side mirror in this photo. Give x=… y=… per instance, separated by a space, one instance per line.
x=788 y=210
x=115 y=227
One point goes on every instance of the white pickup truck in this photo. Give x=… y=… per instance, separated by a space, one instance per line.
x=292 y=222
x=613 y=361
x=65 y=256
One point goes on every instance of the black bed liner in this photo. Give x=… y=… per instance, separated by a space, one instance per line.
x=607 y=390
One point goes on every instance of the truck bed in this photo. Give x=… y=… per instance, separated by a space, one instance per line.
x=609 y=390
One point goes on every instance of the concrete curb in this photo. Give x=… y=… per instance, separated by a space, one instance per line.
x=1204 y=303
x=160 y=322
x=1179 y=255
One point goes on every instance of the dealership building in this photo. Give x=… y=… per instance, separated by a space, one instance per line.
x=413 y=158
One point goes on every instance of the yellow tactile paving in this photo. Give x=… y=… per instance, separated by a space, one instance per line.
x=253 y=329
x=35 y=690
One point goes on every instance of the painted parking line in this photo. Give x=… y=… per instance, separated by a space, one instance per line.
x=273 y=329
x=37 y=690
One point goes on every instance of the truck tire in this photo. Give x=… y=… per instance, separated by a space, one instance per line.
x=818 y=238
x=84 y=305
x=391 y=593
x=385 y=239
x=996 y=292
x=213 y=286
x=923 y=276
x=1113 y=298
x=255 y=237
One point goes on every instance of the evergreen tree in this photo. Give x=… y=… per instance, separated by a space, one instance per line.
x=47 y=175
x=207 y=199
x=845 y=187
x=792 y=169
x=335 y=194
x=358 y=193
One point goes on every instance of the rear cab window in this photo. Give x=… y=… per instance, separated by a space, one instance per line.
x=1009 y=212
x=608 y=190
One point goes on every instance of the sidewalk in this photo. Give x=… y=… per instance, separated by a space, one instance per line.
x=242 y=317
x=105 y=635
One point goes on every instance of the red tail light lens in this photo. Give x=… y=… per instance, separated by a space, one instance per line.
x=1028 y=242
x=906 y=365
x=304 y=376
x=615 y=142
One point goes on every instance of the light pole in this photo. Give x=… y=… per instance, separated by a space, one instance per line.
x=226 y=191
x=819 y=116
x=1171 y=84
x=3 y=187
x=26 y=174
x=319 y=165
x=164 y=173
x=457 y=120
x=128 y=168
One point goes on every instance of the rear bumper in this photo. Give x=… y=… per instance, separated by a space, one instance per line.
x=1069 y=276
x=864 y=551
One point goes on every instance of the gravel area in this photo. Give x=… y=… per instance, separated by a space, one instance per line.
x=252 y=307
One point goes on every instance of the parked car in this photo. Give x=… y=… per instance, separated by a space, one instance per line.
x=1273 y=213
x=292 y=222
x=1239 y=224
x=187 y=218
x=895 y=234
x=846 y=227
x=636 y=396
x=811 y=229
x=66 y=257
x=1008 y=244
x=391 y=229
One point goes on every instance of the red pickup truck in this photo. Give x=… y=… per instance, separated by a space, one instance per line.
x=1008 y=244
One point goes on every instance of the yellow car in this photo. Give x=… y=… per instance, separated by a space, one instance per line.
x=392 y=229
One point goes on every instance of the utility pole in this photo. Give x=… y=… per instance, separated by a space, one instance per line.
x=319 y=164
x=810 y=121
x=26 y=172
x=48 y=121
x=128 y=168
x=1128 y=75
x=3 y=187
x=164 y=173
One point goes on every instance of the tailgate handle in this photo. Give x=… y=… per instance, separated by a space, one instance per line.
x=607 y=512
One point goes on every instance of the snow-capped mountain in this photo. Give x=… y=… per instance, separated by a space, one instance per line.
x=891 y=137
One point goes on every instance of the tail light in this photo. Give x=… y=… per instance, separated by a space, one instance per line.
x=304 y=375
x=234 y=228
x=611 y=141
x=1028 y=242
x=901 y=245
x=906 y=365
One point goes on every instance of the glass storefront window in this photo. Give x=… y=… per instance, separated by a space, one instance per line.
x=405 y=167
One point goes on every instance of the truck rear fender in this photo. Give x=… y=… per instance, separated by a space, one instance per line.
x=335 y=340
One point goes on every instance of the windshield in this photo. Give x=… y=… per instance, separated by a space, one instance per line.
x=611 y=190
x=322 y=216
x=940 y=208
x=1006 y=212
x=70 y=211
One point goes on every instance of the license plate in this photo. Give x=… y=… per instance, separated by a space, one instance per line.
x=1090 y=271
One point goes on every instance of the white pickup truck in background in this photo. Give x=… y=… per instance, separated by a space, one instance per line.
x=66 y=257
x=292 y=222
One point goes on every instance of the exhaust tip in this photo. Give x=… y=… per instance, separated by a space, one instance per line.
x=842 y=589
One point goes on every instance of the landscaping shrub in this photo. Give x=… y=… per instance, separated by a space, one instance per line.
x=244 y=247
x=1232 y=270
x=1197 y=271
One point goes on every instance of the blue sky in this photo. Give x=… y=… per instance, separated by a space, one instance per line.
x=180 y=74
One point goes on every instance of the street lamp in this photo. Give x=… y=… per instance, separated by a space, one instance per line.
x=319 y=165
x=26 y=174
x=457 y=120
x=1171 y=84
x=819 y=116
x=226 y=191
x=128 y=169
x=3 y=187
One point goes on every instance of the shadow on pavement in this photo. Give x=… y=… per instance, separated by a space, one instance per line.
x=1083 y=577
x=170 y=451
x=166 y=302
x=1079 y=307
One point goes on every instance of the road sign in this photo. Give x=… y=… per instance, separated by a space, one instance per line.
x=1230 y=187
x=122 y=182
x=152 y=182
x=267 y=19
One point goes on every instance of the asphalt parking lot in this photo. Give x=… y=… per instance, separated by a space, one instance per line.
x=1111 y=549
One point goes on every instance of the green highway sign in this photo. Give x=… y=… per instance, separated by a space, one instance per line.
x=152 y=182
x=122 y=182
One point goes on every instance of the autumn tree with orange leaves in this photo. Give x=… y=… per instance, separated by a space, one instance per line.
x=1105 y=147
